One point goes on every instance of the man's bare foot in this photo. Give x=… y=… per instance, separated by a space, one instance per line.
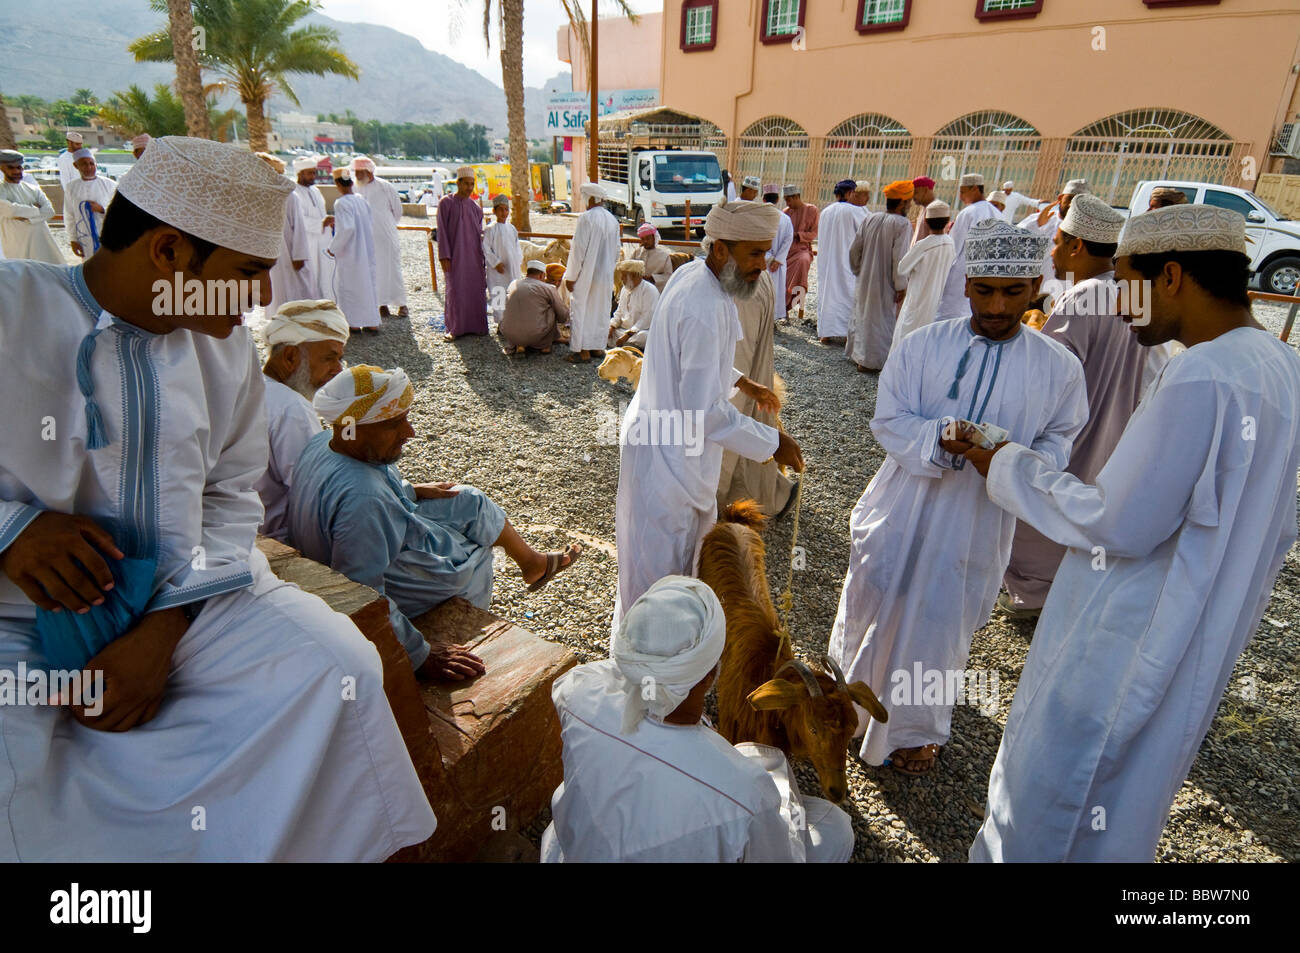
x=403 y=312
x=450 y=663
x=383 y=310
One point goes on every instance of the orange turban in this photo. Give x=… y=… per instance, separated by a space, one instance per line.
x=902 y=189
x=554 y=270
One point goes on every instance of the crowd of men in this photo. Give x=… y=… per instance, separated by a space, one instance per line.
x=1019 y=453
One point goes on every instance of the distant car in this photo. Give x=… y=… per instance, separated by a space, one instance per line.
x=1273 y=239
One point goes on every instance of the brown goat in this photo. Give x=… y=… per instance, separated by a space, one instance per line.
x=765 y=694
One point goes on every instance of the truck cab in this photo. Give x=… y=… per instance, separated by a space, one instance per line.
x=654 y=185
x=1273 y=240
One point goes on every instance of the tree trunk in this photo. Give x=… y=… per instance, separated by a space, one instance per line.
x=180 y=18
x=512 y=77
x=257 y=125
x=6 y=134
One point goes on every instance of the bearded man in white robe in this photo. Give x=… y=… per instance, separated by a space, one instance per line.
x=1132 y=654
x=681 y=419
x=221 y=684
x=925 y=268
x=24 y=214
x=636 y=306
x=305 y=342
x=296 y=276
x=385 y=214
x=928 y=548
x=953 y=303
x=838 y=226
x=85 y=203
x=501 y=256
x=352 y=252
x=589 y=276
x=648 y=780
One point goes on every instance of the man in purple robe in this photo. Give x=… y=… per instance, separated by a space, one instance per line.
x=460 y=251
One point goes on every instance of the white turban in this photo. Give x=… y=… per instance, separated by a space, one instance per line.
x=668 y=641
x=303 y=163
x=217 y=192
x=535 y=264
x=465 y=172
x=74 y=137
x=633 y=266
x=743 y=222
x=301 y=322
x=590 y=190
x=365 y=393
x=363 y=162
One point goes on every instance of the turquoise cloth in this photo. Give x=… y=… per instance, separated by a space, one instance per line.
x=70 y=640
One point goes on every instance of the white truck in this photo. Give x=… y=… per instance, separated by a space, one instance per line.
x=1274 y=245
x=650 y=170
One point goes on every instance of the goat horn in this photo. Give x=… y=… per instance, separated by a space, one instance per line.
x=834 y=669
x=804 y=672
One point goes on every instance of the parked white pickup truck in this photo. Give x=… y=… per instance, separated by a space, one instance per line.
x=1274 y=245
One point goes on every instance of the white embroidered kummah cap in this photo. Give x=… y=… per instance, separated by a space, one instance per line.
x=465 y=172
x=363 y=162
x=742 y=221
x=938 y=209
x=789 y=190
x=631 y=266
x=1076 y=187
x=1183 y=228
x=752 y=182
x=82 y=154
x=216 y=192
x=303 y=163
x=771 y=188
x=590 y=190
x=970 y=179
x=301 y=322
x=862 y=185
x=996 y=249
x=76 y=137
x=366 y=394
x=141 y=141
x=997 y=196
x=535 y=265
x=501 y=199
x=1092 y=220
x=671 y=638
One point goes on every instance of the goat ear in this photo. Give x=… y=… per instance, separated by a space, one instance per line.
x=778 y=693
x=861 y=693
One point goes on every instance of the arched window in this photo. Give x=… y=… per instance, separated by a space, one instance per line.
x=869 y=146
x=775 y=149
x=1117 y=152
x=997 y=145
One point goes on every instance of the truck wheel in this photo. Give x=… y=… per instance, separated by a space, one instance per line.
x=1280 y=276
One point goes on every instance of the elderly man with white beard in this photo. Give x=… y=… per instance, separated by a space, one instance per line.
x=306 y=341
x=667 y=483
x=647 y=780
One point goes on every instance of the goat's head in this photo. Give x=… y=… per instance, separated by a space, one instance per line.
x=818 y=715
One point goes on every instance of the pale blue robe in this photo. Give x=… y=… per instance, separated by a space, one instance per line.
x=363 y=520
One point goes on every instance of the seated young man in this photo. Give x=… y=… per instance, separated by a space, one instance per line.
x=350 y=508
x=229 y=697
x=306 y=341
x=647 y=780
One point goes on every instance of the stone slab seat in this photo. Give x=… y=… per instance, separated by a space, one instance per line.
x=487 y=750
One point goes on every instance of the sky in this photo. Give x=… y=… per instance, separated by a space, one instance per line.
x=455 y=29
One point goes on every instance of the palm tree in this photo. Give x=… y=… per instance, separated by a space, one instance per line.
x=161 y=114
x=6 y=134
x=253 y=45
x=180 y=27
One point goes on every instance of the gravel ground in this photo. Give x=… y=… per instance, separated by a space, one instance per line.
x=535 y=434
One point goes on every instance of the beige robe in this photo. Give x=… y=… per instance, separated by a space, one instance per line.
x=743 y=479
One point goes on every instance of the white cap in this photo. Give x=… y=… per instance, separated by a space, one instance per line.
x=217 y=192
x=141 y=141
x=790 y=190
x=752 y=182
x=938 y=209
x=303 y=163
x=76 y=137
x=535 y=265
x=1093 y=220
x=1076 y=187
x=997 y=196
x=996 y=249
x=465 y=172
x=1183 y=228
x=971 y=178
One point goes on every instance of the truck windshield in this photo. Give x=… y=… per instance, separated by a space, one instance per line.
x=687 y=174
